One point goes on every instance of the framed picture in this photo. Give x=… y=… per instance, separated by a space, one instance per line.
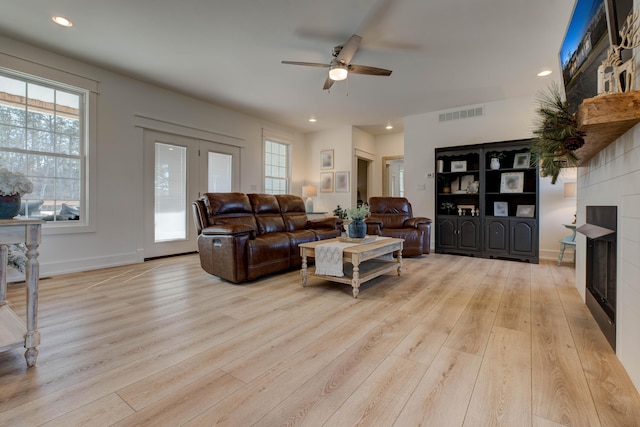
x=500 y=209
x=326 y=182
x=326 y=157
x=521 y=160
x=342 y=182
x=512 y=182
x=527 y=211
x=458 y=166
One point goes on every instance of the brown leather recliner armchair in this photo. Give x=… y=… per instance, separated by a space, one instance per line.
x=245 y=236
x=393 y=217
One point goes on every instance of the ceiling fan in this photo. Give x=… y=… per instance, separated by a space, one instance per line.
x=340 y=66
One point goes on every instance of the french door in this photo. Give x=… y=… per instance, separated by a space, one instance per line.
x=178 y=170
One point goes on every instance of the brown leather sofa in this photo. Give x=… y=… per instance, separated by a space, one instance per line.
x=393 y=217
x=245 y=236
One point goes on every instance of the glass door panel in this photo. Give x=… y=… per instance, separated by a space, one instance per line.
x=170 y=207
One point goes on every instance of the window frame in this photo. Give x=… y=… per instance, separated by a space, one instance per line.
x=287 y=145
x=88 y=88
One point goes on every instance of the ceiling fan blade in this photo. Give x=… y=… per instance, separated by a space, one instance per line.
x=349 y=49
x=372 y=71
x=307 y=64
x=327 y=83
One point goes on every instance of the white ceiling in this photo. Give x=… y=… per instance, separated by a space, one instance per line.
x=444 y=53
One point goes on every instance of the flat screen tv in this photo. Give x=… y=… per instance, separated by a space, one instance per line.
x=594 y=26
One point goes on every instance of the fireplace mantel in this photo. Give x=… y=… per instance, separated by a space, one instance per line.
x=605 y=118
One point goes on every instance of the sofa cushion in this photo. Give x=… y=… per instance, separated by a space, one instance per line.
x=296 y=238
x=293 y=212
x=267 y=213
x=229 y=208
x=267 y=254
x=393 y=211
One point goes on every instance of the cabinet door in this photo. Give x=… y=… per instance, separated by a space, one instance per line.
x=469 y=234
x=496 y=236
x=523 y=237
x=446 y=232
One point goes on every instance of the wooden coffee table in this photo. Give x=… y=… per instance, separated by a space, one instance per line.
x=362 y=261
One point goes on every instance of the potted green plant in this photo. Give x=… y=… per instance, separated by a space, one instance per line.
x=340 y=213
x=357 y=227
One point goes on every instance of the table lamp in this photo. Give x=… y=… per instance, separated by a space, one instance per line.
x=309 y=191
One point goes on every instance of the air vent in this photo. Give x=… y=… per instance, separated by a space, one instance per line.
x=461 y=114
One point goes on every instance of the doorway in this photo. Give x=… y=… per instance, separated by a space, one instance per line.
x=178 y=170
x=393 y=176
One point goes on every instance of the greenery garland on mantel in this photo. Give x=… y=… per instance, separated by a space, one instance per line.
x=557 y=135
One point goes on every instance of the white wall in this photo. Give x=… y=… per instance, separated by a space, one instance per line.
x=502 y=121
x=118 y=235
x=612 y=178
x=340 y=141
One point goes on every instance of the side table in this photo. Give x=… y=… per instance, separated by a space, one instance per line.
x=12 y=328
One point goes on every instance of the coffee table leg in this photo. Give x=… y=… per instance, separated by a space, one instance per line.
x=304 y=267
x=399 y=261
x=355 y=281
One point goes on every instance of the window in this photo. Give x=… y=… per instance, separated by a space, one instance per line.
x=42 y=135
x=276 y=167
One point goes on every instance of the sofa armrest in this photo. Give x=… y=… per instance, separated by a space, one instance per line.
x=374 y=225
x=228 y=230
x=332 y=223
x=416 y=222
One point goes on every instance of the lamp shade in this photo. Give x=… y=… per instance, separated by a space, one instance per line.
x=309 y=191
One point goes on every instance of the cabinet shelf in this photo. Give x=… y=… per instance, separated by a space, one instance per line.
x=604 y=119
x=483 y=234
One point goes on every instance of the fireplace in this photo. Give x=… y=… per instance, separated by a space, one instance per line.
x=601 y=232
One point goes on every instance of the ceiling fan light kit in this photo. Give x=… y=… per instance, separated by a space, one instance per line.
x=338 y=72
x=340 y=67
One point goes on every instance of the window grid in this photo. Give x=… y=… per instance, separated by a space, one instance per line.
x=41 y=136
x=276 y=168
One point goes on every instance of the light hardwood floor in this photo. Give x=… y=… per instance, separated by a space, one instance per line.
x=454 y=341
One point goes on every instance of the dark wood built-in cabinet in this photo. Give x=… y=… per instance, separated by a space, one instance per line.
x=484 y=210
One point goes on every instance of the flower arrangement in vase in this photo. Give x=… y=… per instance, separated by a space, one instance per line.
x=357 y=226
x=12 y=186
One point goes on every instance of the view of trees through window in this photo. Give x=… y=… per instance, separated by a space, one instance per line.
x=41 y=136
x=276 y=168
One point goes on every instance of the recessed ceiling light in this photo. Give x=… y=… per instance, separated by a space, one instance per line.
x=544 y=73
x=388 y=126
x=312 y=119
x=61 y=20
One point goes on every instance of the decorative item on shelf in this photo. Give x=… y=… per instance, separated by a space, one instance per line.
x=500 y=209
x=309 y=191
x=527 y=211
x=459 y=166
x=614 y=75
x=462 y=209
x=521 y=160
x=495 y=159
x=557 y=135
x=357 y=227
x=473 y=187
x=440 y=166
x=12 y=186
x=512 y=182
x=448 y=206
